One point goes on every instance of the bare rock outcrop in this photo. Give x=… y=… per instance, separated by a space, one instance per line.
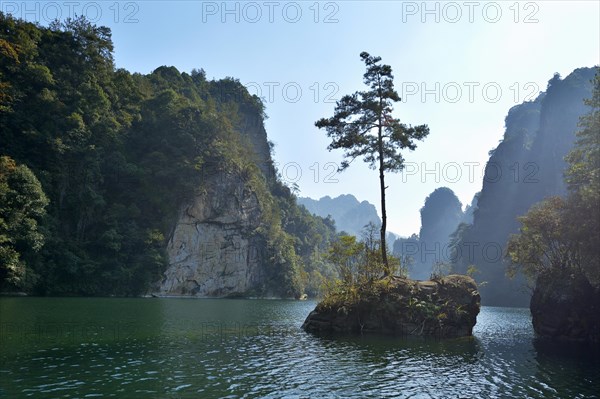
x=445 y=307
x=213 y=251
x=565 y=306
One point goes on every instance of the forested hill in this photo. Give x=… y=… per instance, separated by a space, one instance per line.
x=526 y=167
x=117 y=155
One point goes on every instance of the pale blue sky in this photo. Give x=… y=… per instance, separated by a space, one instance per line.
x=459 y=74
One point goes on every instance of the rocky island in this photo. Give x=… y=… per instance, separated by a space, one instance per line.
x=566 y=307
x=443 y=307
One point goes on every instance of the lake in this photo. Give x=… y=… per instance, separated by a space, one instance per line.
x=205 y=348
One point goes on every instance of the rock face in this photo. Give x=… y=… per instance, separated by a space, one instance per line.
x=566 y=307
x=447 y=307
x=212 y=250
x=440 y=216
x=526 y=167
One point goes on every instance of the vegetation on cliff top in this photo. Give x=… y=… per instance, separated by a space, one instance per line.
x=370 y=296
x=360 y=266
x=117 y=154
x=446 y=306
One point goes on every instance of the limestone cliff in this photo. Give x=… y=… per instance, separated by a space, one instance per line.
x=526 y=167
x=241 y=232
x=213 y=251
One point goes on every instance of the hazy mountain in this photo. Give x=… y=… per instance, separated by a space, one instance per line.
x=350 y=214
x=526 y=167
x=470 y=210
x=440 y=216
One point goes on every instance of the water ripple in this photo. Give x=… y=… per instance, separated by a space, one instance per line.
x=192 y=355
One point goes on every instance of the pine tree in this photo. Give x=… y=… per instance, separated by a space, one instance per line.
x=363 y=126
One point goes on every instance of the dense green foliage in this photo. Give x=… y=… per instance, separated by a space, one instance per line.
x=310 y=237
x=22 y=204
x=559 y=235
x=526 y=167
x=361 y=267
x=118 y=154
x=363 y=126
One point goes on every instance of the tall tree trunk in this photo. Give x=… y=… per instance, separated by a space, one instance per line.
x=383 y=213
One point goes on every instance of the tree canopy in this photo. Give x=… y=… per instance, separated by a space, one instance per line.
x=118 y=154
x=22 y=205
x=363 y=126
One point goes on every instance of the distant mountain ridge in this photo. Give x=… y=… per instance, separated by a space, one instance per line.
x=350 y=214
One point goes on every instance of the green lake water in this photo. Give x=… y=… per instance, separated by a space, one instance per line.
x=203 y=348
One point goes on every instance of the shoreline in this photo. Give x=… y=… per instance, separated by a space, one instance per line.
x=146 y=296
